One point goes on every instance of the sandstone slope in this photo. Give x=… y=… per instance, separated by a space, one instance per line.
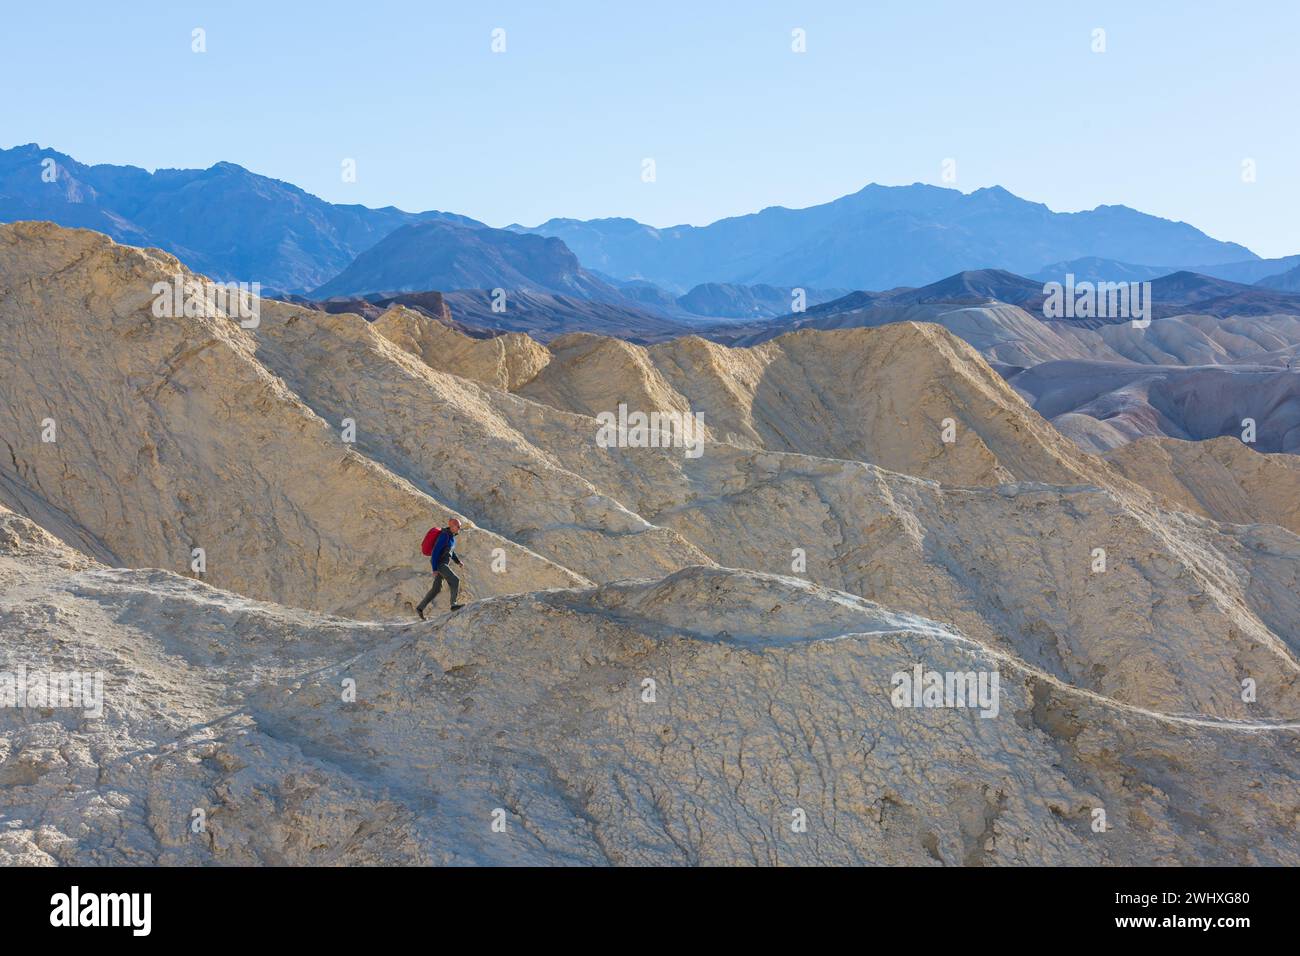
x=877 y=395
x=1012 y=565
x=825 y=538
x=1183 y=610
x=1219 y=478
x=505 y=361
x=171 y=435
x=532 y=708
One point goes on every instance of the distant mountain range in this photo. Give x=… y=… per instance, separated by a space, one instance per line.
x=1096 y=269
x=1288 y=281
x=225 y=222
x=619 y=276
x=447 y=256
x=731 y=301
x=882 y=237
x=543 y=289
x=968 y=300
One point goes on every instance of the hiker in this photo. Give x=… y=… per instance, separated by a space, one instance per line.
x=441 y=552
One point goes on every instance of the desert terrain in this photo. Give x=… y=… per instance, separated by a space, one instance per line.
x=667 y=657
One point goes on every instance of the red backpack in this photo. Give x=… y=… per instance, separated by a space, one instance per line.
x=427 y=547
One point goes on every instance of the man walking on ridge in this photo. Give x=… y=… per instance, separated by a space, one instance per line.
x=441 y=555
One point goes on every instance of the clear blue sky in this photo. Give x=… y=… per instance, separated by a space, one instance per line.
x=560 y=122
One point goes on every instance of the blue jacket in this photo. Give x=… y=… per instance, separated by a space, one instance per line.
x=444 y=549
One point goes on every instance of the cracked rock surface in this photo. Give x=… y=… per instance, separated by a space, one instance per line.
x=533 y=707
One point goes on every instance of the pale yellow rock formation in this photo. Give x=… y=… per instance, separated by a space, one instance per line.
x=506 y=361
x=171 y=435
x=1220 y=478
x=826 y=539
x=773 y=700
x=879 y=395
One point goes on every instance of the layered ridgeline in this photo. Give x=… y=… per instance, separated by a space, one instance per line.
x=1017 y=321
x=225 y=221
x=882 y=237
x=235 y=223
x=1203 y=356
x=875 y=395
x=865 y=501
x=1102 y=405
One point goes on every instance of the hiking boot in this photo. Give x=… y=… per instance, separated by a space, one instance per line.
x=457 y=607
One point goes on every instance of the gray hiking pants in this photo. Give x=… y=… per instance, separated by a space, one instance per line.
x=453 y=581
